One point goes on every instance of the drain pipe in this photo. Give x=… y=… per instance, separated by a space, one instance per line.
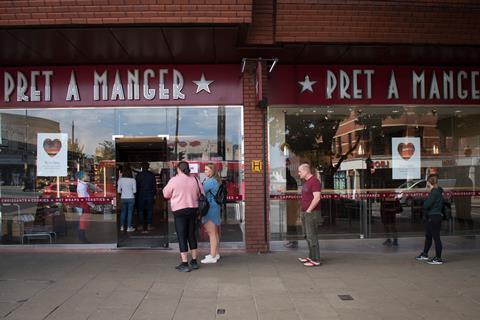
x=264 y=146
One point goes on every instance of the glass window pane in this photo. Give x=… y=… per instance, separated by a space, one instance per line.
x=91 y=152
x=352 y=149
x=199 y=135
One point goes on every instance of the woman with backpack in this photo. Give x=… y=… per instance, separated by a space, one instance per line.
x=211 y=221
x=432 y=208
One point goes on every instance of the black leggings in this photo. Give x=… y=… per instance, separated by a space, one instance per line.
x=185 y=221
x=432 y=230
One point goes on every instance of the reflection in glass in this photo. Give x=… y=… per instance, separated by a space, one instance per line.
x=41 y=209
x=44 y=213
x=198 y=135
x=351 y=146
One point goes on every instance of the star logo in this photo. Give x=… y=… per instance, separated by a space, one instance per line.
x=203 y=84
x=307 y=84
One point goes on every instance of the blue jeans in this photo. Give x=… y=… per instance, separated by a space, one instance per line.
x=127 y=209
x=148 y=205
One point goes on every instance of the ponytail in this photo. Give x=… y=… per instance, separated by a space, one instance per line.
x=184 y=167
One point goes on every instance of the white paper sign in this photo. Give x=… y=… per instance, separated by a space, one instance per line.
x=52 y=150
x=406 y=158
x=193 y=167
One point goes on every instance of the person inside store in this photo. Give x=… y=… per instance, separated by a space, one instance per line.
x=146 y=191
x=389 y=207
x=432 y=207
x=292 y=206
x=310 y=213
x=127 y=187
x=183 y=191
x=211 y=221
x=463 y=203
x=83 y=208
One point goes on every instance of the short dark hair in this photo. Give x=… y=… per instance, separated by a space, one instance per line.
x=184 y=167
x=145 y=165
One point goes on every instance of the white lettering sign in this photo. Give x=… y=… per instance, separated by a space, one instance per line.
x=26 y=91
x=349 y=84
x=72 y=92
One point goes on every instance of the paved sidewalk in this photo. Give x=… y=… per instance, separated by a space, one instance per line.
x=140 y=285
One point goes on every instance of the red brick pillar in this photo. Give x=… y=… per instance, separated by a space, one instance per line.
x=255 y=238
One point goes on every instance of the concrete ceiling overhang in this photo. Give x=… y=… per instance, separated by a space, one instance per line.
x=203 y=45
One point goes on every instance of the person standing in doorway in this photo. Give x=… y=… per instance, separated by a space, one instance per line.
x=310 y=213
x=83 y=207
x=432 y=208
x=292 y=207
x=211 y=221
x=146 y=191
x=183 y=191
x=127 y=187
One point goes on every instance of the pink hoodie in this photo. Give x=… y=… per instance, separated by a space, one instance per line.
x=182 y=191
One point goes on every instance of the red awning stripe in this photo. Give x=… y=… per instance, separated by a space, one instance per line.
x=374 y=195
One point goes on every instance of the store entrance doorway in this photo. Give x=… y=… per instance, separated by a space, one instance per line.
x=149 y=231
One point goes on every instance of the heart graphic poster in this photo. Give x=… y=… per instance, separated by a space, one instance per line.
x=52 y=150
x=406 y=158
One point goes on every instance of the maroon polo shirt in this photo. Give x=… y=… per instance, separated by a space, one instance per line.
x=309 y=187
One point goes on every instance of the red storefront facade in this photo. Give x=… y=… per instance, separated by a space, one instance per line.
x=339 y=64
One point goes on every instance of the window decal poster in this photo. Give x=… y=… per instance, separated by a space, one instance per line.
x=52 y=149
x=406 y=158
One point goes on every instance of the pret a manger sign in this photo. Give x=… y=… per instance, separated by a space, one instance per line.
x=374 y=85
x=120 y=85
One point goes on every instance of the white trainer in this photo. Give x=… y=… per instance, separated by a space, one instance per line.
x=122 y=228
x=130 y=229
x=217 y=256
x=209 y=259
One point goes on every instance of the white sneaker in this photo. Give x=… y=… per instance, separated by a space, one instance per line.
x=122 y=228
x=209 y=259
x=130 y=229
x=217 y=256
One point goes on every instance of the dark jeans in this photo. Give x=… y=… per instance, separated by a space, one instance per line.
x=148 y=205
x=432 y=230
x=126 y=213
x=185 y=221
x=310 y=224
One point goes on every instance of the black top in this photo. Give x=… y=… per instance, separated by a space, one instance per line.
x=291 y=182
x=434 y=203
x=146 y=185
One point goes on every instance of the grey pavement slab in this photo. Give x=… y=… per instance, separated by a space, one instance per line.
x=142 y=285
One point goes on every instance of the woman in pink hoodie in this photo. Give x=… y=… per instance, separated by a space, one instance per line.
x=183 y=191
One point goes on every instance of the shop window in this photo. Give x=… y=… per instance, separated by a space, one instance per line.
x=369 y=182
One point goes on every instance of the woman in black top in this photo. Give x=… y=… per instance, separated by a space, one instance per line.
x=432 y=208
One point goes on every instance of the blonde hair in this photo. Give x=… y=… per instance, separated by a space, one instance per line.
x=214 y=170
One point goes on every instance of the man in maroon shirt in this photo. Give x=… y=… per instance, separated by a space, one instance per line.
x=310 y=212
